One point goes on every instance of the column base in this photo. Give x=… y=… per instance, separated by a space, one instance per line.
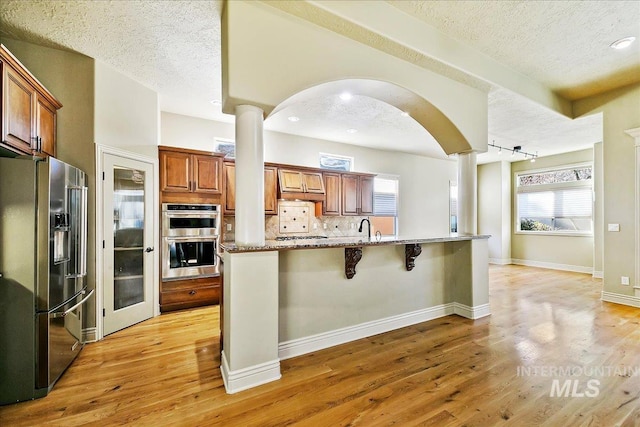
x=246 y=378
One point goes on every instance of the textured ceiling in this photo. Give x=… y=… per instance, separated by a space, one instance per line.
x=562 y=44
x=173 y=47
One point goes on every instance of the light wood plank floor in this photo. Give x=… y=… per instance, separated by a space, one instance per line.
x=447 y=372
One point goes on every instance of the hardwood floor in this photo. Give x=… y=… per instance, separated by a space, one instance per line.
x=447 y=372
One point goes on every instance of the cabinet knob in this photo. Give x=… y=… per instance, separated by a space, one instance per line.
x=192 y=292
x=149 y=249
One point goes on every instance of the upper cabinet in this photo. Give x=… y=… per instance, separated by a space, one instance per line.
x=357 y=194
x=270 y=189
x=28 y=110
x=190 y=171
x=333 y=193
x=301 y=184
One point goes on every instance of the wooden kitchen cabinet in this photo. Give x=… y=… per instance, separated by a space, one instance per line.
x=333 y=193
x=187 y=293
x=28 y=110
x=366 y=195
x=357 y=194
x=301 y=181
x=270 y=189
x=300 y=184
x=190 y=171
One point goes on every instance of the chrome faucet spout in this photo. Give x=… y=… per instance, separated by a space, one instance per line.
x=368 y=227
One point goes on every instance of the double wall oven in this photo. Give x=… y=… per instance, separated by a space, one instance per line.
x=190 y=240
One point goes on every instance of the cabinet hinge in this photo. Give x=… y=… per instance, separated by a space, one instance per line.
x=103 y=244
x=103 y=176
x=104 y=313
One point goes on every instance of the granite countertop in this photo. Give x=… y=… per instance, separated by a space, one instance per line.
x=346 y=242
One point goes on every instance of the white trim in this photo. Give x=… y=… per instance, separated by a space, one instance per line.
x=553 y=266
x=300 y=346
x=635 y=134
x=598 y=274
x=253 y=376
x=621 y=299
x=89 y=335
x=473 y=313
x=500 y=261
x=101 y=150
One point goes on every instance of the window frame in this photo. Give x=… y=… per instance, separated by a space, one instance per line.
x=391 y=177
x=550 y=187
x=350 y=159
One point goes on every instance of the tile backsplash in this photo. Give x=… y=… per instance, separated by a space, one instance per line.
x=284 y=224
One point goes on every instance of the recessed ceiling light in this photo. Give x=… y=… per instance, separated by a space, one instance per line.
x=345 y=96
x=215 y=102
x=405 y=114
x=622 y=43
x=352 y=130
x=293 y=118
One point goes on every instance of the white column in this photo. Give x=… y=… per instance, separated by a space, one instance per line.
x=249 y=176
x=635 y=134
x=467 y=193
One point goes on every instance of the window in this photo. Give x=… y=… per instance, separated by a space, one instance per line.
x=385 y=204
x=226 y=146
x=336 y=162
x=453 y=206
x=556 y=201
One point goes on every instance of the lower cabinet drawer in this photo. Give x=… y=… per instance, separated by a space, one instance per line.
x=173 y=300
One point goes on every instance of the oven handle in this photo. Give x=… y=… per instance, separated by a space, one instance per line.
x=190 y=214
x=215 y=237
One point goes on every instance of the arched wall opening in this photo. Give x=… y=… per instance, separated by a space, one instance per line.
x=432 y=119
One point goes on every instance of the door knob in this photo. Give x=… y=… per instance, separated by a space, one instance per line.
x=149 y=249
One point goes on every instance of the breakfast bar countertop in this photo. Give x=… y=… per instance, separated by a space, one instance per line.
x=345 y=242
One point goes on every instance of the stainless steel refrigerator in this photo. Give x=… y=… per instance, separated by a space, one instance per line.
x=43 y=273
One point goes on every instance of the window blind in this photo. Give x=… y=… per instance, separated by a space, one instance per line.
x=564 y=203
x=385 y=197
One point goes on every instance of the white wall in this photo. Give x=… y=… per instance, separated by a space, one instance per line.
x=424 y=182
x=494 y=209
x=126 y=112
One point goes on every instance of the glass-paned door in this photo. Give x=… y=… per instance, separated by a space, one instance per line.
x=128 y=246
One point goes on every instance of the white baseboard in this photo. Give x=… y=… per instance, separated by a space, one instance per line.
x=253 y=376
x=471 y=312
x=598 y=274
x=328 y=339
x=89 y=335
x=621 y=299
x=553 y=266
x=500 y=261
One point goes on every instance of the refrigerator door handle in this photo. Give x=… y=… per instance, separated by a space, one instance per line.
x=81 y=232
x=64 y=313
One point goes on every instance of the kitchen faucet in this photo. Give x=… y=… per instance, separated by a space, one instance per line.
x=368 y=227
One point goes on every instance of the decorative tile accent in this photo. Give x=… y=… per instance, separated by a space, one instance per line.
x=328 y=226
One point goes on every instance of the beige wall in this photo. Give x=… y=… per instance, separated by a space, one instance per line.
x=621 y=111
x=570 y=252
x=70 y=78
x=424 y=182
x=264 y=65
x=494 y=209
